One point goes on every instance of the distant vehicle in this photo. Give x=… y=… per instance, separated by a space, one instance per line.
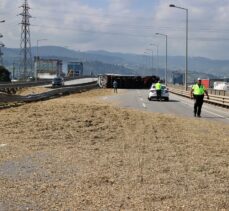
x=57 y=81
x=153 y=93
x=13 y=80
x=30 y=79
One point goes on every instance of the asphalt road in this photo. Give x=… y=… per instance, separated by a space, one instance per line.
x=80 y=81
x=177 y=105
x=75 y=82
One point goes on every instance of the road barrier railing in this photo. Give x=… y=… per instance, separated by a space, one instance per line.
x=218 y=92
x=49 y=95
x=218 y=100
x=11 y=88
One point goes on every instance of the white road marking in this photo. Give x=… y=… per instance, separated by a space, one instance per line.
x=3 y=145
x=204 y=109
x=144 y=105
x=224 y=112
x=141 y=99
x=215 y=114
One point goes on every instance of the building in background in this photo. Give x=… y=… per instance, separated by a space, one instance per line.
x=49 y=68
x=75 y=69
x=175 y=77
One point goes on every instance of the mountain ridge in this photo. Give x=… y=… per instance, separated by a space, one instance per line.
x=132 y=61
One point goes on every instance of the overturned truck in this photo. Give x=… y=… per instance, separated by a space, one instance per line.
x=127 y=81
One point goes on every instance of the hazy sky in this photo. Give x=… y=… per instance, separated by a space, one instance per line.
x=122 y=25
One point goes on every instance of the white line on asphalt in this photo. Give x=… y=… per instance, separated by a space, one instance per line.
x=215 y=114
x=204 y=109
x=207 y=105
x=144 y=105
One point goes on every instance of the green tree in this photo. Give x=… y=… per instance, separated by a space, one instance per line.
x=4 y=74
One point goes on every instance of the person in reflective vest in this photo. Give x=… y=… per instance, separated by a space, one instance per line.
x=158 y=90
x=197 y=92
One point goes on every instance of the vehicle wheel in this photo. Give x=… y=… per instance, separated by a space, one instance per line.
x=166 y=99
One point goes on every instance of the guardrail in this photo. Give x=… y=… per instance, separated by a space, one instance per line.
x=213 y=99
x=11 y=88
x=218 y=92
x=210 y=90
x=23 y=84
x=48 y=95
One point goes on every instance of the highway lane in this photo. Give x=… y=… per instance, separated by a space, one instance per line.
x=80 y=81
x=74 y=82
x=177 y=105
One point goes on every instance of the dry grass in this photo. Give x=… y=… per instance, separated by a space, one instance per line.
x=78 y=153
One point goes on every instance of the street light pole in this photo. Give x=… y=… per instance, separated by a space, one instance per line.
x=166 y=54
x=37 y=60
x=186 y=60
x=1 y=53
x=146 y=55
x=1 y=45
x=157 y=55
x=152 y=56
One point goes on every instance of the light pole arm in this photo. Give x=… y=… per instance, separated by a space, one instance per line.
x=174 y=6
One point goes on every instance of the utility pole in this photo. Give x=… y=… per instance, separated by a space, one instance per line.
x=166 y=54
x=1 y=46
x=151 y=50
x=1 y=54
x=157 y=55
x=186 y=48
x=14 y=70
x=37 y=60
x=25 y=46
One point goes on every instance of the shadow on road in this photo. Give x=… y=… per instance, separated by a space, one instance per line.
x=172 y=101
x=164 y=101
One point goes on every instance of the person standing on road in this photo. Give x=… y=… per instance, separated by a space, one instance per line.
x=158 y=90
x=197 y=92
x=115 y=86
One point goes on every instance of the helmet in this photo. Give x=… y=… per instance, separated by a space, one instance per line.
x=198 y=79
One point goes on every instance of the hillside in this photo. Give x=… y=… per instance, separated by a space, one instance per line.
x=129 y=62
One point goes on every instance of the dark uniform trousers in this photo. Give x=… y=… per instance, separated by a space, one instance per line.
x=199 y=99
x=158 y=94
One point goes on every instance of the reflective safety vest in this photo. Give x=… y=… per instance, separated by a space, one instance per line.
x=198 y=90
x=158 y=86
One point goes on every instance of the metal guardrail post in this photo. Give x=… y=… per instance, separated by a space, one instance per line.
x=214 y=99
